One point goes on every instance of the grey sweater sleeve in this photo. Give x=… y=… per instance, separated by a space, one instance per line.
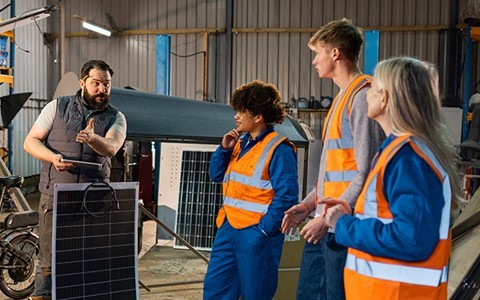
x=367 y=137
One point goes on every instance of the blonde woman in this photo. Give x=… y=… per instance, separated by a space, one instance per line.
x=399 y=234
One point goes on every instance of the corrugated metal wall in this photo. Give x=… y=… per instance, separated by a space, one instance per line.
x=132 y=57
x=284 y=58
x=31 y=74
x=269 y=40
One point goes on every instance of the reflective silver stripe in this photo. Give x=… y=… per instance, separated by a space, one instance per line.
x=256 y=179
x=346 y=140
x=250 y=181
x=340 y=176
x=383 y=220
x=447 y=193
x=257 y=173
x=345 y=126
x=445 y=274
x=334 y=108
x=226 y=178
x=371 y=205
x=398 y=273
x=245 y=205
x=342 y=143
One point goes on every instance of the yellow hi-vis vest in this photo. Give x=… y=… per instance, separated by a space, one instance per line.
x=386 y=278
x=340 y=168
x=247 y=189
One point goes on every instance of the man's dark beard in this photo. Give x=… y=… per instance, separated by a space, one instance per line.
x=93 y=103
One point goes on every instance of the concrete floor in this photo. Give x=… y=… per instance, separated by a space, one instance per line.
x=169 y=273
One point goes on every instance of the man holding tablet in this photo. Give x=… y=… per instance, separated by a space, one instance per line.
x=83 y=128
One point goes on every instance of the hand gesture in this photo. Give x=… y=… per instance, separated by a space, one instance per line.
x=87 y=135
x=230 y=139
x=59 y=165
x=293 y=217
x=334 y=209
x=314 y=230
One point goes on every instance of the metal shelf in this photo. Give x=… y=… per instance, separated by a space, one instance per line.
x=314 y=118
x=6 y=75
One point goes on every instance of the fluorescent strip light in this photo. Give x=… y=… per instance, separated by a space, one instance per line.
x=96 y=28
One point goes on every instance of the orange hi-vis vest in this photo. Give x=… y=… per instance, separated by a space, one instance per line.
x=387 y=278
x=247 y=189
x=340 y=168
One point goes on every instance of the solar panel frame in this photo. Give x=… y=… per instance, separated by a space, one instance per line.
x=95 y=257
x=199 y=200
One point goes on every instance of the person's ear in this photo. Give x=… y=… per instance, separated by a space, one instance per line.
x=384 y=99
x=82 y=87
x=259 y=118
x=335 y=53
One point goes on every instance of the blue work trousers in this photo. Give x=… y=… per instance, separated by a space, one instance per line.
x=321 y=270
x=243 y=262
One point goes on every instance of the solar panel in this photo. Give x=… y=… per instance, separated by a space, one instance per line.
x=199 y=201
x=94 y=249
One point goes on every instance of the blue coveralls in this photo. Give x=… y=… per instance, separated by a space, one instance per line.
x=244 y=262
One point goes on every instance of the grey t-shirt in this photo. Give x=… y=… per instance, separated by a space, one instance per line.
x=46 y=117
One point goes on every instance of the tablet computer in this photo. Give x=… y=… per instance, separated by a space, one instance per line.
x=83 y=164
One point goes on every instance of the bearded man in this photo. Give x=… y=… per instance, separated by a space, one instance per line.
x=81 y=127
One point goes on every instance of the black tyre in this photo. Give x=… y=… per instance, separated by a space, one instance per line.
x=18 y=282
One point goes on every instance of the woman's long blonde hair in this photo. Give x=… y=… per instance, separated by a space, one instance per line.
x=414 y=108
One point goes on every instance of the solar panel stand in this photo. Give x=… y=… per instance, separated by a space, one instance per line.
x=143 y=285
x=183 y=241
